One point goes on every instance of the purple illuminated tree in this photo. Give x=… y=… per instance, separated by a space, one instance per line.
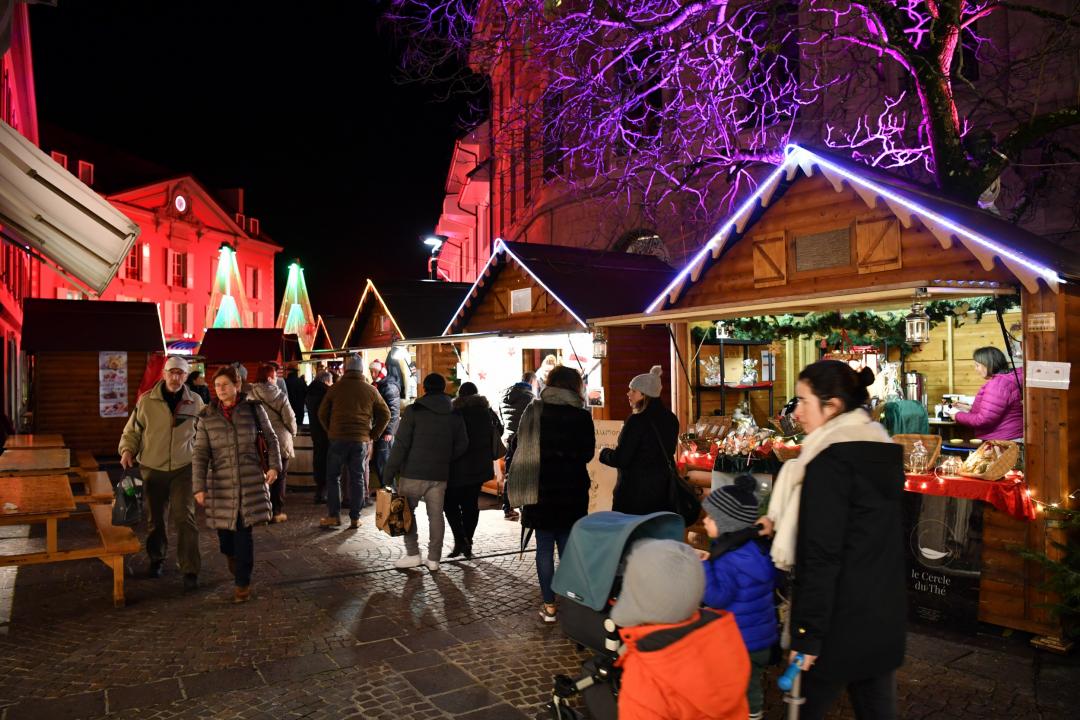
x=679 y=101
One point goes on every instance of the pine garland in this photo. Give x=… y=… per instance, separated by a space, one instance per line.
x=1062 y=573
x=861 y=327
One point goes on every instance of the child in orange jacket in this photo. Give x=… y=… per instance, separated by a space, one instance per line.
x=680 y=662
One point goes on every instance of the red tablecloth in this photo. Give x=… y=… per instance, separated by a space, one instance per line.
x=1009 y=495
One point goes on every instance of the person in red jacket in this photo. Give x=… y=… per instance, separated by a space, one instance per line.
x=679 y=661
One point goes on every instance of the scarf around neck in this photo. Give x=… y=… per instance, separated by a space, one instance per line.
x=854 y=426
x=523 y=483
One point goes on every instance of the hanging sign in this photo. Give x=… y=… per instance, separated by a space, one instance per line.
x=602 y=478
x=112 y=384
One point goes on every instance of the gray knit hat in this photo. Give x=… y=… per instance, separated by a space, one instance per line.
x=354 y=362
x=664 y=583
x=649 y=383
x=733 y=507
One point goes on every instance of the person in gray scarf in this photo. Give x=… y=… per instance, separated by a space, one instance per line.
x=548 y=476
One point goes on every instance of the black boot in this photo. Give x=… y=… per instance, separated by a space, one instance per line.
x=467 y=550
x=459 y=548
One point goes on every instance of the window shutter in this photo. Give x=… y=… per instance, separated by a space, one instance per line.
x=188 y=319
x=145 y=263
x=170 y=258
x=168 y=317
x=770 y=260
x=189 y=264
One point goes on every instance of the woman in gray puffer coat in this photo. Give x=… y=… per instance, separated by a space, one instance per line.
x=283 y=420
x=227 y=474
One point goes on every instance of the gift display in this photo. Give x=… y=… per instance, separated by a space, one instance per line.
x=991 y=460
x=1009 y=495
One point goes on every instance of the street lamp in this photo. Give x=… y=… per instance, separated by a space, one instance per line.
x=435 y=242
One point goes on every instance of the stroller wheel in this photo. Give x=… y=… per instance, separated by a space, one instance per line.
x=560 y=712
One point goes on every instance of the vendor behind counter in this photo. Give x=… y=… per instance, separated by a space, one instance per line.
x=998 y=410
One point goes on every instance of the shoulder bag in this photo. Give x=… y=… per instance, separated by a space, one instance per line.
x=683 y=498
x=498 y=447
x=261 y=446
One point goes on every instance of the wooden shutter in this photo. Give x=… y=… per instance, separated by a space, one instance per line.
x=170 y=258
x=145 y=261
x=168 y=313
x=770 y=260
x=189 y=265
x=878 y=245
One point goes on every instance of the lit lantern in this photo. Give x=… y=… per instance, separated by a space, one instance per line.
x=599 y=344
x=917 y=325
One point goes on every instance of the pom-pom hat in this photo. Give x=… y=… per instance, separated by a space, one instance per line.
x=648 y=384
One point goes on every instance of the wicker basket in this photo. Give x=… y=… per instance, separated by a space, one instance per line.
x=1005 y=462
x=932 y=443
x=784 y=453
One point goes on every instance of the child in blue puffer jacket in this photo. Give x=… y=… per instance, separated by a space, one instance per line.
x=740 y=577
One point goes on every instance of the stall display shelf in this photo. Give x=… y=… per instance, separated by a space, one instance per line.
x=724 y=387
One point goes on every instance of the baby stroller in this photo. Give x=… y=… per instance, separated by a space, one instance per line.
x=588 y=581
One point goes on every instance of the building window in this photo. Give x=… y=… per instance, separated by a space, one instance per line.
x=181 y=319
x=59 y=158
x=86 y=172
x=253 y=282
x=133 y=265
x=179 y=270
x=521 y=301
x=552 y=151
x=526 y=159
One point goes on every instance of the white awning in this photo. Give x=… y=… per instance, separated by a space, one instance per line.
x=45 y=207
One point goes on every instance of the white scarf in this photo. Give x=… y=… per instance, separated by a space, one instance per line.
x=854 y=426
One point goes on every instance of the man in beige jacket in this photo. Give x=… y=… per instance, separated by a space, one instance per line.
x=159 y=436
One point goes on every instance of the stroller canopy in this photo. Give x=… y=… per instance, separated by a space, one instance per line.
x=597 y=545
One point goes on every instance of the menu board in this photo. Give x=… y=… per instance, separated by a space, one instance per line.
x=602 y=478
x=112 y=384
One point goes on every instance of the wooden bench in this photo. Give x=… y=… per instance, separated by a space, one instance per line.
x=117 y=541
x=97 y=487
x=85 y=462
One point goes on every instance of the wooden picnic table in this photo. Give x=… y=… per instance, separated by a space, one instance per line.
x=43 y=498
x=48 y=499
x=34 y=460
x=31 y=441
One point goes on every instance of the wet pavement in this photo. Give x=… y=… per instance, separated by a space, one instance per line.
x=333 y=631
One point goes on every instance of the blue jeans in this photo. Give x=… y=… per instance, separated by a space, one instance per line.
x=353 y=456
x=546 y=540
x=239 y=545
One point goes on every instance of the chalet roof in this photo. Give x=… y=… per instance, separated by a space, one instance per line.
x=987 y=236
x=418 y=308
x=337 y=327
x=91 y=325
x=225 y=345
x=587 y=283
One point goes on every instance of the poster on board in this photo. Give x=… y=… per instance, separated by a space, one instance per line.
x=112 y=384
x=602 y=477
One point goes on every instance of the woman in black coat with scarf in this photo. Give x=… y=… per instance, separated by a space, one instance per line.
x=645 y=451
x=471 y=470
x=548 y=476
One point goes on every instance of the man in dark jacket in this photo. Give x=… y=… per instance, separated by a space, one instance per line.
x=320 y=442
x=387 y=380
x=429 y=438
x=352 y=413
x=296 y=388
x=515 y=399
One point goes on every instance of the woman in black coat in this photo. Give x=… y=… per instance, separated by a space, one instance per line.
x=553 y=445
x=471 y=470
x=645 y=451
x=837 y=511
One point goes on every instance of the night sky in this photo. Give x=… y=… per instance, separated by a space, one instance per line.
x=302 y=104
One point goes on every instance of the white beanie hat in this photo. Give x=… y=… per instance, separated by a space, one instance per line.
x=649 y=383
x=663 y=584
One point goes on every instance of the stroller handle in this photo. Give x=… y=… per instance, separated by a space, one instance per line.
x=786 y=681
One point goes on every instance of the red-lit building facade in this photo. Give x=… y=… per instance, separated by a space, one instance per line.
x=175 y=261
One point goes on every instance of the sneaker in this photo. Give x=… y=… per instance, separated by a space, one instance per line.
x=330 y=522
x=157 y=569
x=354 y=523
x=279 y=518
x=759 y=715
x=547 y=612
x=191 y=582
x=409 y=561
x=512 y=515
x=432 y=565
x=241 y=594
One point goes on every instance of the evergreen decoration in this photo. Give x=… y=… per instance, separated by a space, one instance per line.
x=861 y=327
x=1063 y=573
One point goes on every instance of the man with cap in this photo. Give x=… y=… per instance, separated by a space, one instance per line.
x=159 y=436
x=740 y=577
x=429 y=438
x=680 y=662
x=352 y=412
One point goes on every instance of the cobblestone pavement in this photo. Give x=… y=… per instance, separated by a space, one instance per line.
x=333 y=631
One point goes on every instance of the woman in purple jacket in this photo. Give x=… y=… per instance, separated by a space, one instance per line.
x=998 y=410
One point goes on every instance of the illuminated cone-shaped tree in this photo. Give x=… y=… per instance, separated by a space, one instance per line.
x=295 y=316
x=228 y=307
